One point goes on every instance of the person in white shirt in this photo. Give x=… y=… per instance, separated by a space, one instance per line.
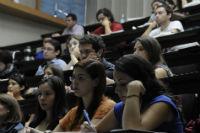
x=165 y=25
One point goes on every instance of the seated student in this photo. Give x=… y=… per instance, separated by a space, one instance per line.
x=16 y=86
x=10 y=115
x=6 y=64
x=154 y=5
x=175 y=6
x=53 y=70
x=51 y=104
x=144 y=105
x=149 y=49
x=105 y=17
x=92 y=46
x=51 y=50
x=72 y=52
x=163 y=15
x=88 y=83
x=72 y=28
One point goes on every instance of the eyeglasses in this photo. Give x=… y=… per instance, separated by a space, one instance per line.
x=48 y=49
x=87 y=51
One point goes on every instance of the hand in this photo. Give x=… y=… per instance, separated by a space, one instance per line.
x=10 y=93
x=135 y=87
x=85 y=127
x=68 y=89
x=93 y=55
x=73 y=50
x=153 y=24
x=55 y=35
x=106 y=22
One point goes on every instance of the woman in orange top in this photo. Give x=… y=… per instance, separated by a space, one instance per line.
x=88 y=83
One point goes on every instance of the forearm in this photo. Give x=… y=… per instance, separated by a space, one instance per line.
x=132 y=118
x=107 y=30
x=148 y=30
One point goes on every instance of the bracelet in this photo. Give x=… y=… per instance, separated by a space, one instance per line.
x=133 y=95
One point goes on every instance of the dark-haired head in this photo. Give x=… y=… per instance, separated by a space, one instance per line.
x=156 y=3
x=96 y=71
x=53 y=70
x=19 y=79
x=5 y=56
x=5 y=59
x=53 y=90
x=51 y=49
x=73 y=16
x=151 y=47
x=105 y=13
x=137 y=68
x=14 y=113
x=88 y=75
x=91 y=44
x=167 y=8
x=70 y=20
x=17 y=86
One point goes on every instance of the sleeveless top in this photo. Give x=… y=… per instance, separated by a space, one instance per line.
x=174 y=126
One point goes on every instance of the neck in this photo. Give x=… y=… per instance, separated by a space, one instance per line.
x=164 y=25
x=48 y=116
x=18 y=97
x=87 y=100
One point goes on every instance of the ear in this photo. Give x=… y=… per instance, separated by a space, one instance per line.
x=100 y=52
x=170 y=16
x=22 y=88
x=57 y=52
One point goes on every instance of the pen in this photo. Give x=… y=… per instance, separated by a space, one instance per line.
x=85 y=113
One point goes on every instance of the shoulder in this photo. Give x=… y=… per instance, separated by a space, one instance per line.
x=72 y=111
x=117 y=26
x=176 y=24
x=105 y=106
x=70 y=116
x=78 y=26
x=60 y=62
x=163 y=67
x=160 y=73
x=107 y=64
x=164 y=99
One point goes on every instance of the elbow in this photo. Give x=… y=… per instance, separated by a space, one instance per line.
x=130 y=125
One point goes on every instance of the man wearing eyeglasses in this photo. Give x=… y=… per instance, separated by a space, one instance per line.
x=92 y=47
x=51 y=50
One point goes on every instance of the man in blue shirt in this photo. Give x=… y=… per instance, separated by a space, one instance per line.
x=51 y=50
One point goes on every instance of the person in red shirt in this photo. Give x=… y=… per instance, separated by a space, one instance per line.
x=109 y=25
